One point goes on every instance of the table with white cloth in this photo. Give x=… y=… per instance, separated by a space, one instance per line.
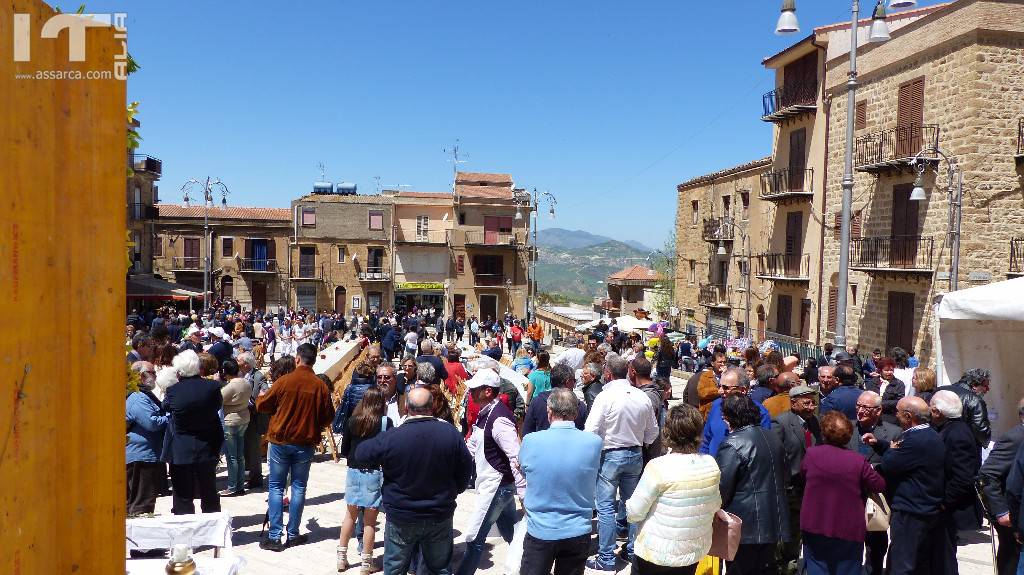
x=204 y=566
x=202 y=529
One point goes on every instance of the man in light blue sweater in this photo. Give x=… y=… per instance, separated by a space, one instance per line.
x=560 y=465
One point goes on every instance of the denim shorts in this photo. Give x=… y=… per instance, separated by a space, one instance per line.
x=362 y=488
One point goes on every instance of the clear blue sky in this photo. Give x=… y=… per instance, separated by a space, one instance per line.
x=608 y=105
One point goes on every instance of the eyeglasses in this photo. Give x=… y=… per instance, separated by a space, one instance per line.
x=868 y=407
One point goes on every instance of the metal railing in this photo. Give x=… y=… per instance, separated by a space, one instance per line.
x=493 y=238
x=779 y=99
x=895 y=253
x=894 y=145
x=786 y=181
x=309 y=272
x=421 y=236
x=142 y=212
x=1017 y=256
x=186 y=263
x=784 y=266
x=258 y=265
x=374 y=274
x=718 y=228
x=489 y=280
x=715 y=295
x=789 y=345
x=144 y=163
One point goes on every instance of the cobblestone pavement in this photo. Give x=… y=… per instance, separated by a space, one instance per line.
x=321 y=520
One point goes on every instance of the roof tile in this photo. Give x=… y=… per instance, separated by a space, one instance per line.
x=230 y=212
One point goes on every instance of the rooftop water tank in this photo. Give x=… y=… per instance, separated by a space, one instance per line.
x=346 y=189
x=323 y=188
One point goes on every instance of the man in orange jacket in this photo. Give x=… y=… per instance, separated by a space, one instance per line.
x=536 y=333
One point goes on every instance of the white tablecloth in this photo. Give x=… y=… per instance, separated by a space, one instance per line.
x=204 y=566
x=155 y=532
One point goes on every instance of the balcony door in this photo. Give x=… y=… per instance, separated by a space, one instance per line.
x=899 y=330
x=905 y=228
x=375 y=260
x=909 y=118
x=794 y=243
x=797 y=159
x=784 y=315
x=192 y=253
x=307 y=263
x=339 y=300
x=491 y=230
x=256 y=255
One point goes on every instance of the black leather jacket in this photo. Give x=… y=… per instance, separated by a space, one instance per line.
x=753 y=483
x=975 y=412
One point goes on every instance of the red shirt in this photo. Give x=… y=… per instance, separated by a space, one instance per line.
x=456 y=372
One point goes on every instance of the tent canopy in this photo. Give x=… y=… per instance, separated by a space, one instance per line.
x=625 y=323
x=150 y=287
x=983 y=327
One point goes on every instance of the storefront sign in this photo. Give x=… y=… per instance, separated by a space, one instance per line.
x=419 y=285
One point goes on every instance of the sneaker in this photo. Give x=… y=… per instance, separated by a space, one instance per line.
x=593 y=565
x=342 y=559
x=625 y=555
x=297 y=540
x=271 y=545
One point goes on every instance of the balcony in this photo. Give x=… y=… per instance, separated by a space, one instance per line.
x=787 y=183
x=1019 y=156
x=142 y=212
x=489 y=280
x=309 y=272
x=494 y=239
x=715 y=295
x=911 y=254
x=784 y=267
x=1017 y=257
x=784 y=103
x=257 y=265
x=148 y=164
x=893 y=149
x=374 y=274
x=718 y=229
x=414 y=236
x=186 y=264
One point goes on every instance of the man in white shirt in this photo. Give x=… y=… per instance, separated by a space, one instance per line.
x=388 y=384
x=622 y=416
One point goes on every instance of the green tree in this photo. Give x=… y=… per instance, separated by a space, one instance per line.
x=664 y=263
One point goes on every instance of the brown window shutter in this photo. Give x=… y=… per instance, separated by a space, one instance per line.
x=833 y=297
x=862 y=115
x=910 y=103
x=838 y=229
x=855 y=224
x=271 y=252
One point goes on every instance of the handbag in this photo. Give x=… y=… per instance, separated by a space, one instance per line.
x=876 y=512
x=726 y=531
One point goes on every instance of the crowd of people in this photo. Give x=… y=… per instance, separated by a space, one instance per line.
x=836 y=464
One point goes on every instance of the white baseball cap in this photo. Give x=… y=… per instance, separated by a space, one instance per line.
x=217 y=332
x=485 y=376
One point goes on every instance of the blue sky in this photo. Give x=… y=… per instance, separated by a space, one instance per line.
x=607 y=105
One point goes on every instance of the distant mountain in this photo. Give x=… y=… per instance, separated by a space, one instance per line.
x=574 y=239
x=579 y=272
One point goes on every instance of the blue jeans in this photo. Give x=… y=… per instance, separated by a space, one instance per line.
x=284 y=459
x=432 y=537
x=514 y=347
x=502 y=511
x=234 y=449
x=620 y=471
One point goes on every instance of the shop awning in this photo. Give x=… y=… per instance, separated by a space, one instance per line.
x=150 y=287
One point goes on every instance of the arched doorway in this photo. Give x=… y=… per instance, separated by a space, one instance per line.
x=761 y=323
x=339 y=300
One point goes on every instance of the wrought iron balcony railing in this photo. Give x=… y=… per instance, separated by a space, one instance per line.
x=374 y=274
x=787 y=183
x=489 y=280
x=894 y=148
x=144 y=163
x=412 y=235
x=142 y=212
x=901 y=253
x=715 y=295
x=782 y=103
x=186 y=263
x=716 y=229
x=309 y=272
x=493 y=239
x=258 y=265
x=792 y=267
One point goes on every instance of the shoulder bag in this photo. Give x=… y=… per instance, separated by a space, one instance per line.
x=726 y=531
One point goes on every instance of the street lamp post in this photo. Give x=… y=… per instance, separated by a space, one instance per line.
x=879 y=32
x=207 y=240
x=955 y=193
x=532 y=201
x=746 y=256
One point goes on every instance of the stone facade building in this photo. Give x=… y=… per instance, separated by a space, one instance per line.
x=423 y=262
x=245 y=244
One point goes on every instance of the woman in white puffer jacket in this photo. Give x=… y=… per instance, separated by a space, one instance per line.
x=676 y=500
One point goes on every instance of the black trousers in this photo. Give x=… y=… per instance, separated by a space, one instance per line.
x=753 y=559
x=253 y=459
x=876 y=544
x=196 y=480
x=569 y=556
x=1008 y=553
x=145 y=481
x=916 y=541
x=641 y=567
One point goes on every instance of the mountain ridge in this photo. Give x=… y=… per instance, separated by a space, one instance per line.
x=575 y=239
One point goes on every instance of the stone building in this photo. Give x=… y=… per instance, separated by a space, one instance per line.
x=489 y=246
x=423 y=263
x=141 y=189
x=342 y=254
x=952 y=78
x=630 y=289
x=245 y=244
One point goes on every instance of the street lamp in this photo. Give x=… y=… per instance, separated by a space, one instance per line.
x=208 y=203
x=879 y=33
x=532 y=201
x=745 y=272
x=955 y=192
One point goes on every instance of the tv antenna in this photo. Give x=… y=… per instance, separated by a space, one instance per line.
x=323 y=171
x=456 y=159
x=382 y=187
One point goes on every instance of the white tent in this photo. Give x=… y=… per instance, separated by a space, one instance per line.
x=983 y=327
x=626 y=323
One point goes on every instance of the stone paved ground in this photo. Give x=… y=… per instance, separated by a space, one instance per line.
x=322 y=520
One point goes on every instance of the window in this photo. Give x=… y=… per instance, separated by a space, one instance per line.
x=462 y=218
x=308 y=217
x=861 y=113
x=305 y=296
x=899 y=329
x=745 y=200
x=833 y=299
x=784 y=315
x=374 y=299
x=158 y=246
x=227 y=287
x=726 y=205
x=422 y=227
x=227 y=247
x=341 y=254
x=695 y=206
x=460 y=264
x=693 y=271
x=855 y=225
x=376 y=219
x=505 y=225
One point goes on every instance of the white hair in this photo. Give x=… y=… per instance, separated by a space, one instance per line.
x=247 y=358
x=166 y=377
x=871 y=396
x=948 y=404
x=186 y=363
